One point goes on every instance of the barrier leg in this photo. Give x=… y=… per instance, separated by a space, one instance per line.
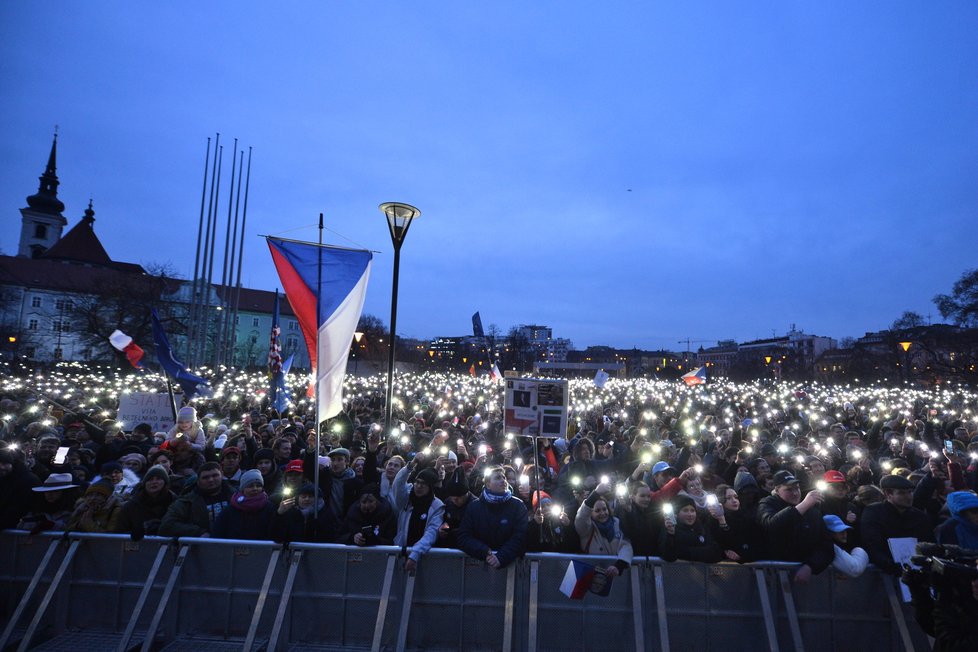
x=164 y=599
x=637 y=610
x=405 y=613
x=22 y=605
x=260 y=602
x=58 y=576
x=897 y=610
x=531 y=644
x=143 y=596
x=284 y=601
x=772 y=633
x=789 y=603
x=510 y=593
x=660 y=606
x=384 y=599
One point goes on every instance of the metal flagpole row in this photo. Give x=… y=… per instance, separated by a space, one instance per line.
x=237 y=283
x=195 y=278
x=223 y=297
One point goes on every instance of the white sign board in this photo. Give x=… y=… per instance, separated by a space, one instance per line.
x=536 y=407
x=145 y=407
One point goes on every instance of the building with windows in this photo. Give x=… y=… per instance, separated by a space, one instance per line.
x=61 y=296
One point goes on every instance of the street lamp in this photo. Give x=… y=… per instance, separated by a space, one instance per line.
x=399 y=218
x=357 y=336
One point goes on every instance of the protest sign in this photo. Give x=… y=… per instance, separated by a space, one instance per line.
x=536 y=407
x=145 y=407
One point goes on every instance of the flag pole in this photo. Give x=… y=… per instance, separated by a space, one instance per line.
x=319 y=292
x=173 y=399
x=200 y=237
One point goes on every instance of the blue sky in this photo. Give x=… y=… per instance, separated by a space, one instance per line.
x=628 y=174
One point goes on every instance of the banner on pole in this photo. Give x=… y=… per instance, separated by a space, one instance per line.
x=145 y=407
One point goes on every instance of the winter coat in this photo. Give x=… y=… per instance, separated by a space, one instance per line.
x=16 y=495
x=236 y=523
x=196 y=435
x=594 y=543
x=293 y=525
x=382 y=521
x=494 y=527
x=793 y=536
x=642 y=526
x=142 y=514
x=743 y=536
x=104 y=520
x=882 y=521
x=690 y=542
x=402 y=506
x=193 y=514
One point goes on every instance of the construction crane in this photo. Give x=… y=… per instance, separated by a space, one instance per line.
x=689 y=342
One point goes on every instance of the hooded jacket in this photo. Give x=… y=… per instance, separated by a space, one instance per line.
x=958 y=530
x=402 y=504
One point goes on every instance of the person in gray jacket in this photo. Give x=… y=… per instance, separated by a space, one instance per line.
x=419 y=514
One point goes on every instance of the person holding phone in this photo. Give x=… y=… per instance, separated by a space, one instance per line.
x=419 y=513
x=370 y=521
x=304 y=517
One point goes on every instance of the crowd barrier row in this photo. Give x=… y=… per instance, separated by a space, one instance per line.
x=109 y=592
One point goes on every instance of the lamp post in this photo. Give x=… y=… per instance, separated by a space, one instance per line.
x=399 y=218
x=357 y=336
x=905 y=345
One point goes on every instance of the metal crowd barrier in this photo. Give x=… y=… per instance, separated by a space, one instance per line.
x=106 y=592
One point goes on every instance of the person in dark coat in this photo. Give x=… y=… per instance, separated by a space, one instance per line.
x=457 y=499
x=304 y=518
x=793 y=527
x=738 y=535
x=962 y=528
x=249 y=513
x=641 y=521
x=894 y=517
x=687 y=536
x=339 y=483
x=370 y=521
x=16 y=482
x=142 y=514
x=195 y=511
x=494 y=526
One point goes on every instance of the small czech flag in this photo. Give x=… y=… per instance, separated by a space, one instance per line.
x=124 y=343
x=577 y=580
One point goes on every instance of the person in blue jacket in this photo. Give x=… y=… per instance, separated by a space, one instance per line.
x=494 y=525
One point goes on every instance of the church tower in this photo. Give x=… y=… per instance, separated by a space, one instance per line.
x=42 y=221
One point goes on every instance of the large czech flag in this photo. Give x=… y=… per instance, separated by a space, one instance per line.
x=329 y=333
x=695 y=377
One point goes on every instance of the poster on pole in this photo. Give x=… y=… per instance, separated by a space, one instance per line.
x=145 y=407
x=536 y=407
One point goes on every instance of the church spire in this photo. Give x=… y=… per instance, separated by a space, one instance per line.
x=46 y=199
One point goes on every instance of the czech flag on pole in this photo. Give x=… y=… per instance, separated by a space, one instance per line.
x=697 y=377
x=124 y=343
x=329 y=333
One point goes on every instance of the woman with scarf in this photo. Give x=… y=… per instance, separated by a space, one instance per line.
x=962 y=528
x=141 y=515
x=419 y=514
x=249 y=514
x=494 y=525
x=304 y=518
x=600 y=532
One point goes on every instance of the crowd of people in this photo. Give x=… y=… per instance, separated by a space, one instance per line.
x=822 y=476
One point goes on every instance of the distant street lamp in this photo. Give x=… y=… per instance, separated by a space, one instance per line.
x=399 y=218
x=357 y=336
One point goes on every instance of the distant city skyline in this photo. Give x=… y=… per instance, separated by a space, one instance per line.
x=629 y=176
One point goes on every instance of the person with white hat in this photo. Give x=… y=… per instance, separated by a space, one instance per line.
x=52 y=504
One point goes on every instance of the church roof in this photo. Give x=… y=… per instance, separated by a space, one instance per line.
x=63 y=276
x=81 y=245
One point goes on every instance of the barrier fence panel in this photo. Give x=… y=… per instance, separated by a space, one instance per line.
x=592 y=623
x=219 y=587
x=457 y=601
x=106 y=579
x=22 y=555
x=336 y=595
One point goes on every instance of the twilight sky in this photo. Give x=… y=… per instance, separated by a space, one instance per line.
x=628 y=174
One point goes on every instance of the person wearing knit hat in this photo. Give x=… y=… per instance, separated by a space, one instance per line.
x=97 y=512
x=687 y=536
x=419 y=513
x=188 y=427
x=264 y=461
x=143 y=512
x=250 y=512
x=304 y=518
x=135 y=462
